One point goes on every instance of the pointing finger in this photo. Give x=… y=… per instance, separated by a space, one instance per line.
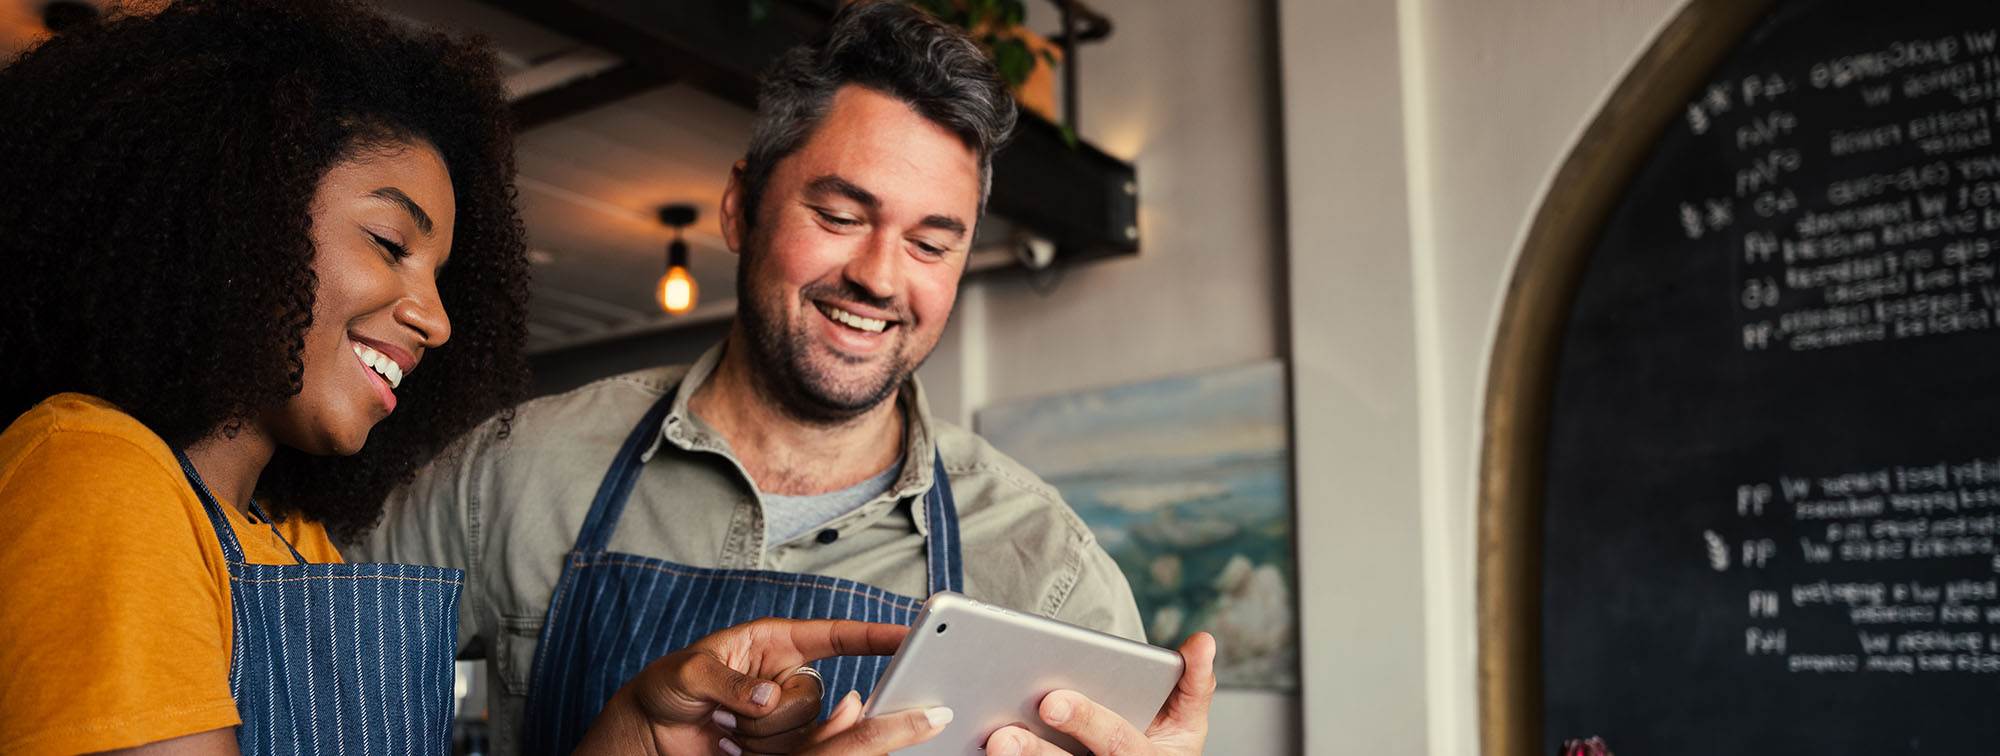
x=821 y=639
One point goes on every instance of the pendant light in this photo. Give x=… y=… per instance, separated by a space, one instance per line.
x=677 y=292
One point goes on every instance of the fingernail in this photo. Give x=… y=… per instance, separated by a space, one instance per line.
x=730 y=748
x=726 y=719
x=1057 y=710
x=853 y=698
x=763 y=692
x=938 y=715
x=841 y=707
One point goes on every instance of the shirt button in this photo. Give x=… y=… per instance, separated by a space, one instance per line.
x=829 y=535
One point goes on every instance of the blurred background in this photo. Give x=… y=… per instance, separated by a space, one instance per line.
x=1310 y=207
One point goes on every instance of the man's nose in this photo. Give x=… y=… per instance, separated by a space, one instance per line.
x=874 y=266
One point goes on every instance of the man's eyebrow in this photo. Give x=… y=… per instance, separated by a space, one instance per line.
x=415 y=210
x=946 y=223
x=831 y=184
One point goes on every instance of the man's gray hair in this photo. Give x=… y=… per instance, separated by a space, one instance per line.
x=896 y=50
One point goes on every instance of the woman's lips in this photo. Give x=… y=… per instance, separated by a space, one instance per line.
x=382 y=361
x=383 y=390
x=388 y=359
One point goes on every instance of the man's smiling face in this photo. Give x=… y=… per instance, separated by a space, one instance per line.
x=851 y=268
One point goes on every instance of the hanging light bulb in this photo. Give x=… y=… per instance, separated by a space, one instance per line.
x=677 y=291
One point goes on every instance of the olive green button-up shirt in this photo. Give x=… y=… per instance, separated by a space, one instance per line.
x=506 y=507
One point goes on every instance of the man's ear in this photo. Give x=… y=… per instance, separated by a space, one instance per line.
x=734 y=226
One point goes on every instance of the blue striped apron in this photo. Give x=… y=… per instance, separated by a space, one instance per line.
x=337 y=658
x=614 y=613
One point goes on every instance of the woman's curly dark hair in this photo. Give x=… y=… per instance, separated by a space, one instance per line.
x=156 y=178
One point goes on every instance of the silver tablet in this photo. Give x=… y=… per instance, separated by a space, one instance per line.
x=992 y=666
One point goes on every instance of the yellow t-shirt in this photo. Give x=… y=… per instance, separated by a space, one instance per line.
x=114 y=597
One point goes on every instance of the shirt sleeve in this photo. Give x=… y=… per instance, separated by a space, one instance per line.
x=114 y=604
x=434 y=520
x=1101 y=599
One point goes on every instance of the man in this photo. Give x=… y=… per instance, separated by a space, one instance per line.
x=795 y=470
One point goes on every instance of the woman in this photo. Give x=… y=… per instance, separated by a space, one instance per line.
x=262 y=262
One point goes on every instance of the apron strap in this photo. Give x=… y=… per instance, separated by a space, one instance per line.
x=618 y=481
x=942 y=557
x=232 y=549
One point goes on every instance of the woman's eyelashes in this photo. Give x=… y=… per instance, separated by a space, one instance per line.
x=395 y=251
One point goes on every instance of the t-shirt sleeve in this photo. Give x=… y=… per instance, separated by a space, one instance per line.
x=114 y=608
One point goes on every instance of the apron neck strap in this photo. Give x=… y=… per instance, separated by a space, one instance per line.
x=618 y=481
x=943 y=561
x=232 y=549
x=942 y=557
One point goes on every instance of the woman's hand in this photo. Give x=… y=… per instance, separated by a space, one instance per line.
x=847 y=734
x=735 y=685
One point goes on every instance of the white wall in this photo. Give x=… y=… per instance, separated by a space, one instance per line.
x=1186 y=90
x=1488 y=98
x=1355 y=377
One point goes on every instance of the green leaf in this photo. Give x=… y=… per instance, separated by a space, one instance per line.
x=1069 y=135
x=1014 y=60
x=1012 y=12
x=760 y=11
x=940 y=9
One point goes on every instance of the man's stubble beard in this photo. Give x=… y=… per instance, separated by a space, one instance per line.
x=802 y=385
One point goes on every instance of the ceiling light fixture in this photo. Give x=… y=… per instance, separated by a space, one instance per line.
x=677 y=291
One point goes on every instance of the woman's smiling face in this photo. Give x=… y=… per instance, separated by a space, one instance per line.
x=381 y=229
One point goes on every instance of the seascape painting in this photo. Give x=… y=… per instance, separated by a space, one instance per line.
x=1186 y=482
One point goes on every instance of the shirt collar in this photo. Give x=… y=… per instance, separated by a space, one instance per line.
x=685 y=430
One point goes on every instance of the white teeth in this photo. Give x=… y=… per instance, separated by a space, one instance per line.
x=870 y=325
x=380 y=363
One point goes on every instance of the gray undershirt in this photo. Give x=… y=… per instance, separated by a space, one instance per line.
x=788 y=517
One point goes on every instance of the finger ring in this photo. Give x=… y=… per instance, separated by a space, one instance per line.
x=810 y=672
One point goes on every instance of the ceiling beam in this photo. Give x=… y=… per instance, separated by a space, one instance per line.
x=711 y=44
x=584 y=94
x=1071 y=193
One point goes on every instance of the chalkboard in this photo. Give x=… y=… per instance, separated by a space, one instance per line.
x=1770 y=519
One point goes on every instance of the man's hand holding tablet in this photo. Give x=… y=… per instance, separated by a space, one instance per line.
x=1021 y=685
x=1178 y=730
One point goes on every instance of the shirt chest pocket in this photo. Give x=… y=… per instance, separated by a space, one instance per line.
x=514 y=652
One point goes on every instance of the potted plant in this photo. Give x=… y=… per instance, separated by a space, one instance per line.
x=1026 y=60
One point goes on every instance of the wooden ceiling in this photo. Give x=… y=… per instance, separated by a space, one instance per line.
x=592 y=176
